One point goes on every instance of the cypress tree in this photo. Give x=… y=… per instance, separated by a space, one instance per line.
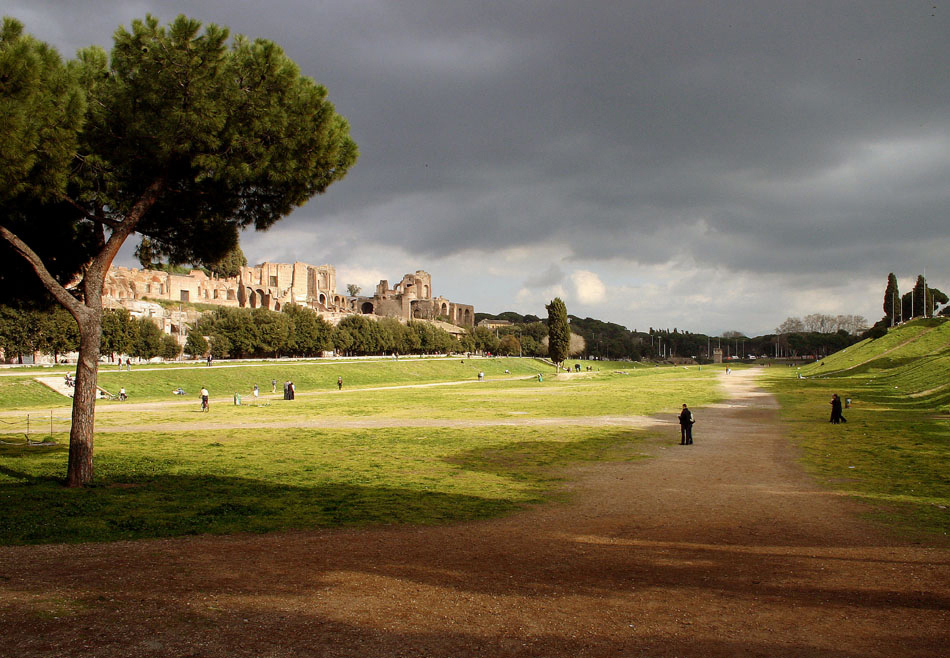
x=559 y=331
x=919 y=299
x=892 y=310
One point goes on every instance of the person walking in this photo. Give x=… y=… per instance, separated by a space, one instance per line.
x=339 y=383
x=686 y=426
x=257 y=394
x=273 y=385
x=205 y=403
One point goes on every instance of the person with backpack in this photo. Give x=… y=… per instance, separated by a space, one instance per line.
x=686 y=426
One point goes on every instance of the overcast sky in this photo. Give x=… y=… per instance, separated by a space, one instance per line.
x=709 y=165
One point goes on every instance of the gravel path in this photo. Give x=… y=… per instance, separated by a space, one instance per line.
x=724 y=548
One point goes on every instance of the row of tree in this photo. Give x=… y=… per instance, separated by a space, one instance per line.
x=919 y=301
x=815 y=335
x=295 y=331
x=28 y=332
x=300 y=332
x=820 y=323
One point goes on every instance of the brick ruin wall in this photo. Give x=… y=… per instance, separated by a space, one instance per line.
x=272 y=286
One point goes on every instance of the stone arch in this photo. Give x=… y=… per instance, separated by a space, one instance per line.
x=252 y=299
x=276 y=306
x=467 y=316
x=321 y=298
x=366 y=308
x=425 y=292
x=444 y=309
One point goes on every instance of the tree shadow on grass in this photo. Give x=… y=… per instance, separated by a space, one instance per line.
x=541 y=458
x=148 y=505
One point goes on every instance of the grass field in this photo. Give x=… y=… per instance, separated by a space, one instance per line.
x=166 y=470
x=19 y=390
x=400 y=445
x=894 y=451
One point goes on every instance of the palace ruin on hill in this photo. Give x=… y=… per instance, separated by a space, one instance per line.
x=274 y=285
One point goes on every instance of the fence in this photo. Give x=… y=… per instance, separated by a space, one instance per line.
x=35 y=427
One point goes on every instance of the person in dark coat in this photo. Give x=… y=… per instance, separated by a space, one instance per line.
x=836 y=416
x=686 y=426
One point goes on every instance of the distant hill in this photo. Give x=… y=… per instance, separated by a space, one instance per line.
x=912 y=360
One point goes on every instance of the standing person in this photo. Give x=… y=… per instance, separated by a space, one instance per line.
x=339 y=383
x=273 y=385
x=128 y=363
x=209 y=360
x=257 y=394
x=836 y=416
x=686 y=426
x=293 y=391
x=205 y=403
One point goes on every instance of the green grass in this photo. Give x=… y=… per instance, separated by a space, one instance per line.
x=160 y=484
x=22 y=392
x=309 y=376
x=156 y=382
x=155 y=479
x=894 y=451
x=607 y=393
x=923 y=337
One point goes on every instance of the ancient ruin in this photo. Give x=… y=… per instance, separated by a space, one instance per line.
x=273 y=286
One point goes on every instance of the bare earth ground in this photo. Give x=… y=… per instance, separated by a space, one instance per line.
x=724 y=548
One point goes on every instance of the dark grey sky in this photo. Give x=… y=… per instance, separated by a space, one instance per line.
x=705 y=165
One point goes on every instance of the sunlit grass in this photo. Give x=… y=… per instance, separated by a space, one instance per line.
x=157 y=484
x=894 y=451
x=173 y=470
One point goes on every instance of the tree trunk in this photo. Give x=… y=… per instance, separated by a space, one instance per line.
x=79 y=471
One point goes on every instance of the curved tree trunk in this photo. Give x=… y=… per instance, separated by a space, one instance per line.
x=79 y=470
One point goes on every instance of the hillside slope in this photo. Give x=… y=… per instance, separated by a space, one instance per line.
x=910 y=366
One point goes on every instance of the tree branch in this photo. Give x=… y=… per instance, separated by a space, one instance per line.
x=99 y=218
x=126 y=227
x=63 y=296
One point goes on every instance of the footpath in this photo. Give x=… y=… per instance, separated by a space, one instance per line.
x=723 y=548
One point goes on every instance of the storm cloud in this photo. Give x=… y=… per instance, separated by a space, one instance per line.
x=710 y=166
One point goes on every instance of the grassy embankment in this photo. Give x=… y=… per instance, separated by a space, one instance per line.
x=169 y=471
x=894 y=451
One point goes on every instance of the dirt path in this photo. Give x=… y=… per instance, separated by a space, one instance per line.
x=720 y=549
